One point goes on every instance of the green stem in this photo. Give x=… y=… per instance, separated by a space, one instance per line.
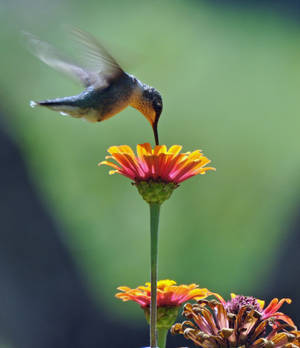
x=162 y=337
x=154 y=220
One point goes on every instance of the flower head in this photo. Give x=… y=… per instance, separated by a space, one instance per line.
x=235 y=304
x=168 y=293
x=156 y=172
x=169 y=299
x=241 y=321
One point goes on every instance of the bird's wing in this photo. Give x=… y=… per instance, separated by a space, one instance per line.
x=95 y=56
x=87 y=75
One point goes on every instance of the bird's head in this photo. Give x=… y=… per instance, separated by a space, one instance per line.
x=152 y=108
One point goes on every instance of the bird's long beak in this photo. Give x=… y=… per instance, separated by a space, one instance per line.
x=154 y=127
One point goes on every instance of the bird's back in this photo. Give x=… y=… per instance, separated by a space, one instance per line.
x=95 y=104
x=112 y=99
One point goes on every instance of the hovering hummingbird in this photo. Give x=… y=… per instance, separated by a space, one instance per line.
x=108 y=88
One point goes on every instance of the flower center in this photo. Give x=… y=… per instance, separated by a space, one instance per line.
x=239 y=301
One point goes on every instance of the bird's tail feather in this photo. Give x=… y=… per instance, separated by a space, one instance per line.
x=66 y=106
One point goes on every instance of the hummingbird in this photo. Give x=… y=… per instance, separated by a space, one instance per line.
x=108 y=88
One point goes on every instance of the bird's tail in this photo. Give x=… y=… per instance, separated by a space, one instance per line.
x=66 y=106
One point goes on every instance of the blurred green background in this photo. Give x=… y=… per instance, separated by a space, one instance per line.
x=229 y=78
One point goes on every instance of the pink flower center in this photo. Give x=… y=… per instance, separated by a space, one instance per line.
x=239 y=301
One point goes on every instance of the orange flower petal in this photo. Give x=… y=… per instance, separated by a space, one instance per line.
x=157 y=164
x=168 y=293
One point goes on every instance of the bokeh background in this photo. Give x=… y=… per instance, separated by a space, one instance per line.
x=229 y=73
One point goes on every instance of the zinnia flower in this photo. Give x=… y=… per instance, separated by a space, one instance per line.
x=156 y=172
x=239 y=322
x=169 y=298
x=168 y=293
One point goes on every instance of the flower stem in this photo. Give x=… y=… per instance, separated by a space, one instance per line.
x=162 y=337
x=154 y=220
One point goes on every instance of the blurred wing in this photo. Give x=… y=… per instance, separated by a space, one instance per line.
x=49 y=55
x=95 y=56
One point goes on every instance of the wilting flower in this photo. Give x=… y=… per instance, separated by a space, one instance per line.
x=239 y=322
x=156 y=172
x=169 y=298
